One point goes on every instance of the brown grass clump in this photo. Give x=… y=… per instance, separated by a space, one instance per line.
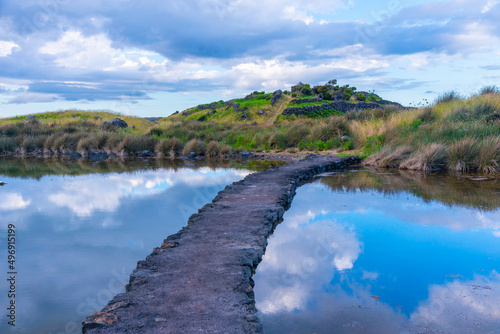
x=489 y=156
x=168 y=147
x=462 y=156
x=225 y=150
x=428 y=158
x=390 y=156
x=213 y=149
x=196 y=146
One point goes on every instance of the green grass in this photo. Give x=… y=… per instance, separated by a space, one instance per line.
x=456 y=133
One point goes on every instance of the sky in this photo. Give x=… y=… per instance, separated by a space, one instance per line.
x=152 y=57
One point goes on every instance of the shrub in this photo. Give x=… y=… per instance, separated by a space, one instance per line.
x=194 y=145
x=462 y=156
x=448 y=97
x=296 y=133
x=225 y=150
x=165 y=147
x=492 y=89
x=489 y=156
x=132 y=143
x=85 y=144
x=390 y=156
x=7 y=145
x=213 y=149
x=428 y=158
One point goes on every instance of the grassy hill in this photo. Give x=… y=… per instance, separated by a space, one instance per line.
x=454 y=133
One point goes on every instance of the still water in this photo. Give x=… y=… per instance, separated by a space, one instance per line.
x=81 y=228
x=376 y=252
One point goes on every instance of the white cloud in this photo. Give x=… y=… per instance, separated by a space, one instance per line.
x=303 y=254
x=461 y=306
x=6 y=48
x=13 y=201
x=297 y=15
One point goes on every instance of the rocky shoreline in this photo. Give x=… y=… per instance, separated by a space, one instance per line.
x=200 y=279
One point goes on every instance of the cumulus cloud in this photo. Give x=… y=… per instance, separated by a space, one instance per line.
x=6 y=48
x=13 y=201
x=220 y=45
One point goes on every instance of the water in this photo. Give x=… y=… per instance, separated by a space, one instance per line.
x=82 y=227
x=372 y=252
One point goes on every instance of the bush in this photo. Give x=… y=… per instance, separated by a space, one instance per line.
x=389 y=156
x=165 y=147
x=448 y=97
x=213 y=149
x=7 y=145
x=462 y=156
x=196 y=146
x=492 y=89
x=225 y=150
x=296 y=133
x=489 y=156
x=85 y=144
x=428 y=158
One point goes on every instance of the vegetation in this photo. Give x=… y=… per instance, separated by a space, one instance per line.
x=455 y=133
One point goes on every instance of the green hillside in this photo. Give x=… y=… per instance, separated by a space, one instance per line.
x=453 y=133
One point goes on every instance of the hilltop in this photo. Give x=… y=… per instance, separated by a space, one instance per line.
x=453 y=133
x=301 y=101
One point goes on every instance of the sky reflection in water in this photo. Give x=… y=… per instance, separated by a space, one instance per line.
x=79 y=237
x=365 y=252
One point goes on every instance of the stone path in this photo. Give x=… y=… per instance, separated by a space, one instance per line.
x=199 y=280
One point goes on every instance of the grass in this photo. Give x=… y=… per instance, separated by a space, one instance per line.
x=455 y=133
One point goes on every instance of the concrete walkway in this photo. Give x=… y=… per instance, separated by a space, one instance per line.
x=199 y=280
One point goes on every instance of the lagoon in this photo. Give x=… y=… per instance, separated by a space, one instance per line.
x=369 y=251
x=82 y=227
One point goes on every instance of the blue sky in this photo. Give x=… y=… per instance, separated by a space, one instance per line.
x=151 y=57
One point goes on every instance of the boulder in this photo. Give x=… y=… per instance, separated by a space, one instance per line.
x=189 y=156
x=30 y=117
x=119 y=123
x=75 y=155
x=95 y=155
x=246 y=155
x=262 y=112
x=276 y=96
x=146 y=153
x=98 y=118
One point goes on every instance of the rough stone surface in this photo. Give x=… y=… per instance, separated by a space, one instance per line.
x=262 y=112
x=199 y=279
x=118 y=122
x=341 y=106
x=246 y=155
x=276 y=96
x=299 y=101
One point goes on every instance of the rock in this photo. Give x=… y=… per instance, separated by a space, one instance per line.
x=261 y=112
x=244 y=116
x=133 y=126
x=185 y=113
x=246 y=155
x=146 y=153
x=119 y=123
x=95 y=155
x=75 y=155
x=30 y=117
x=74 y=116
x=345 y=138
x=189 y=156
x=254 y=124
x=98 y=118
x=276 y=96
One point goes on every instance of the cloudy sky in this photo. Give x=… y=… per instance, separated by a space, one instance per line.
x=152 y=57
